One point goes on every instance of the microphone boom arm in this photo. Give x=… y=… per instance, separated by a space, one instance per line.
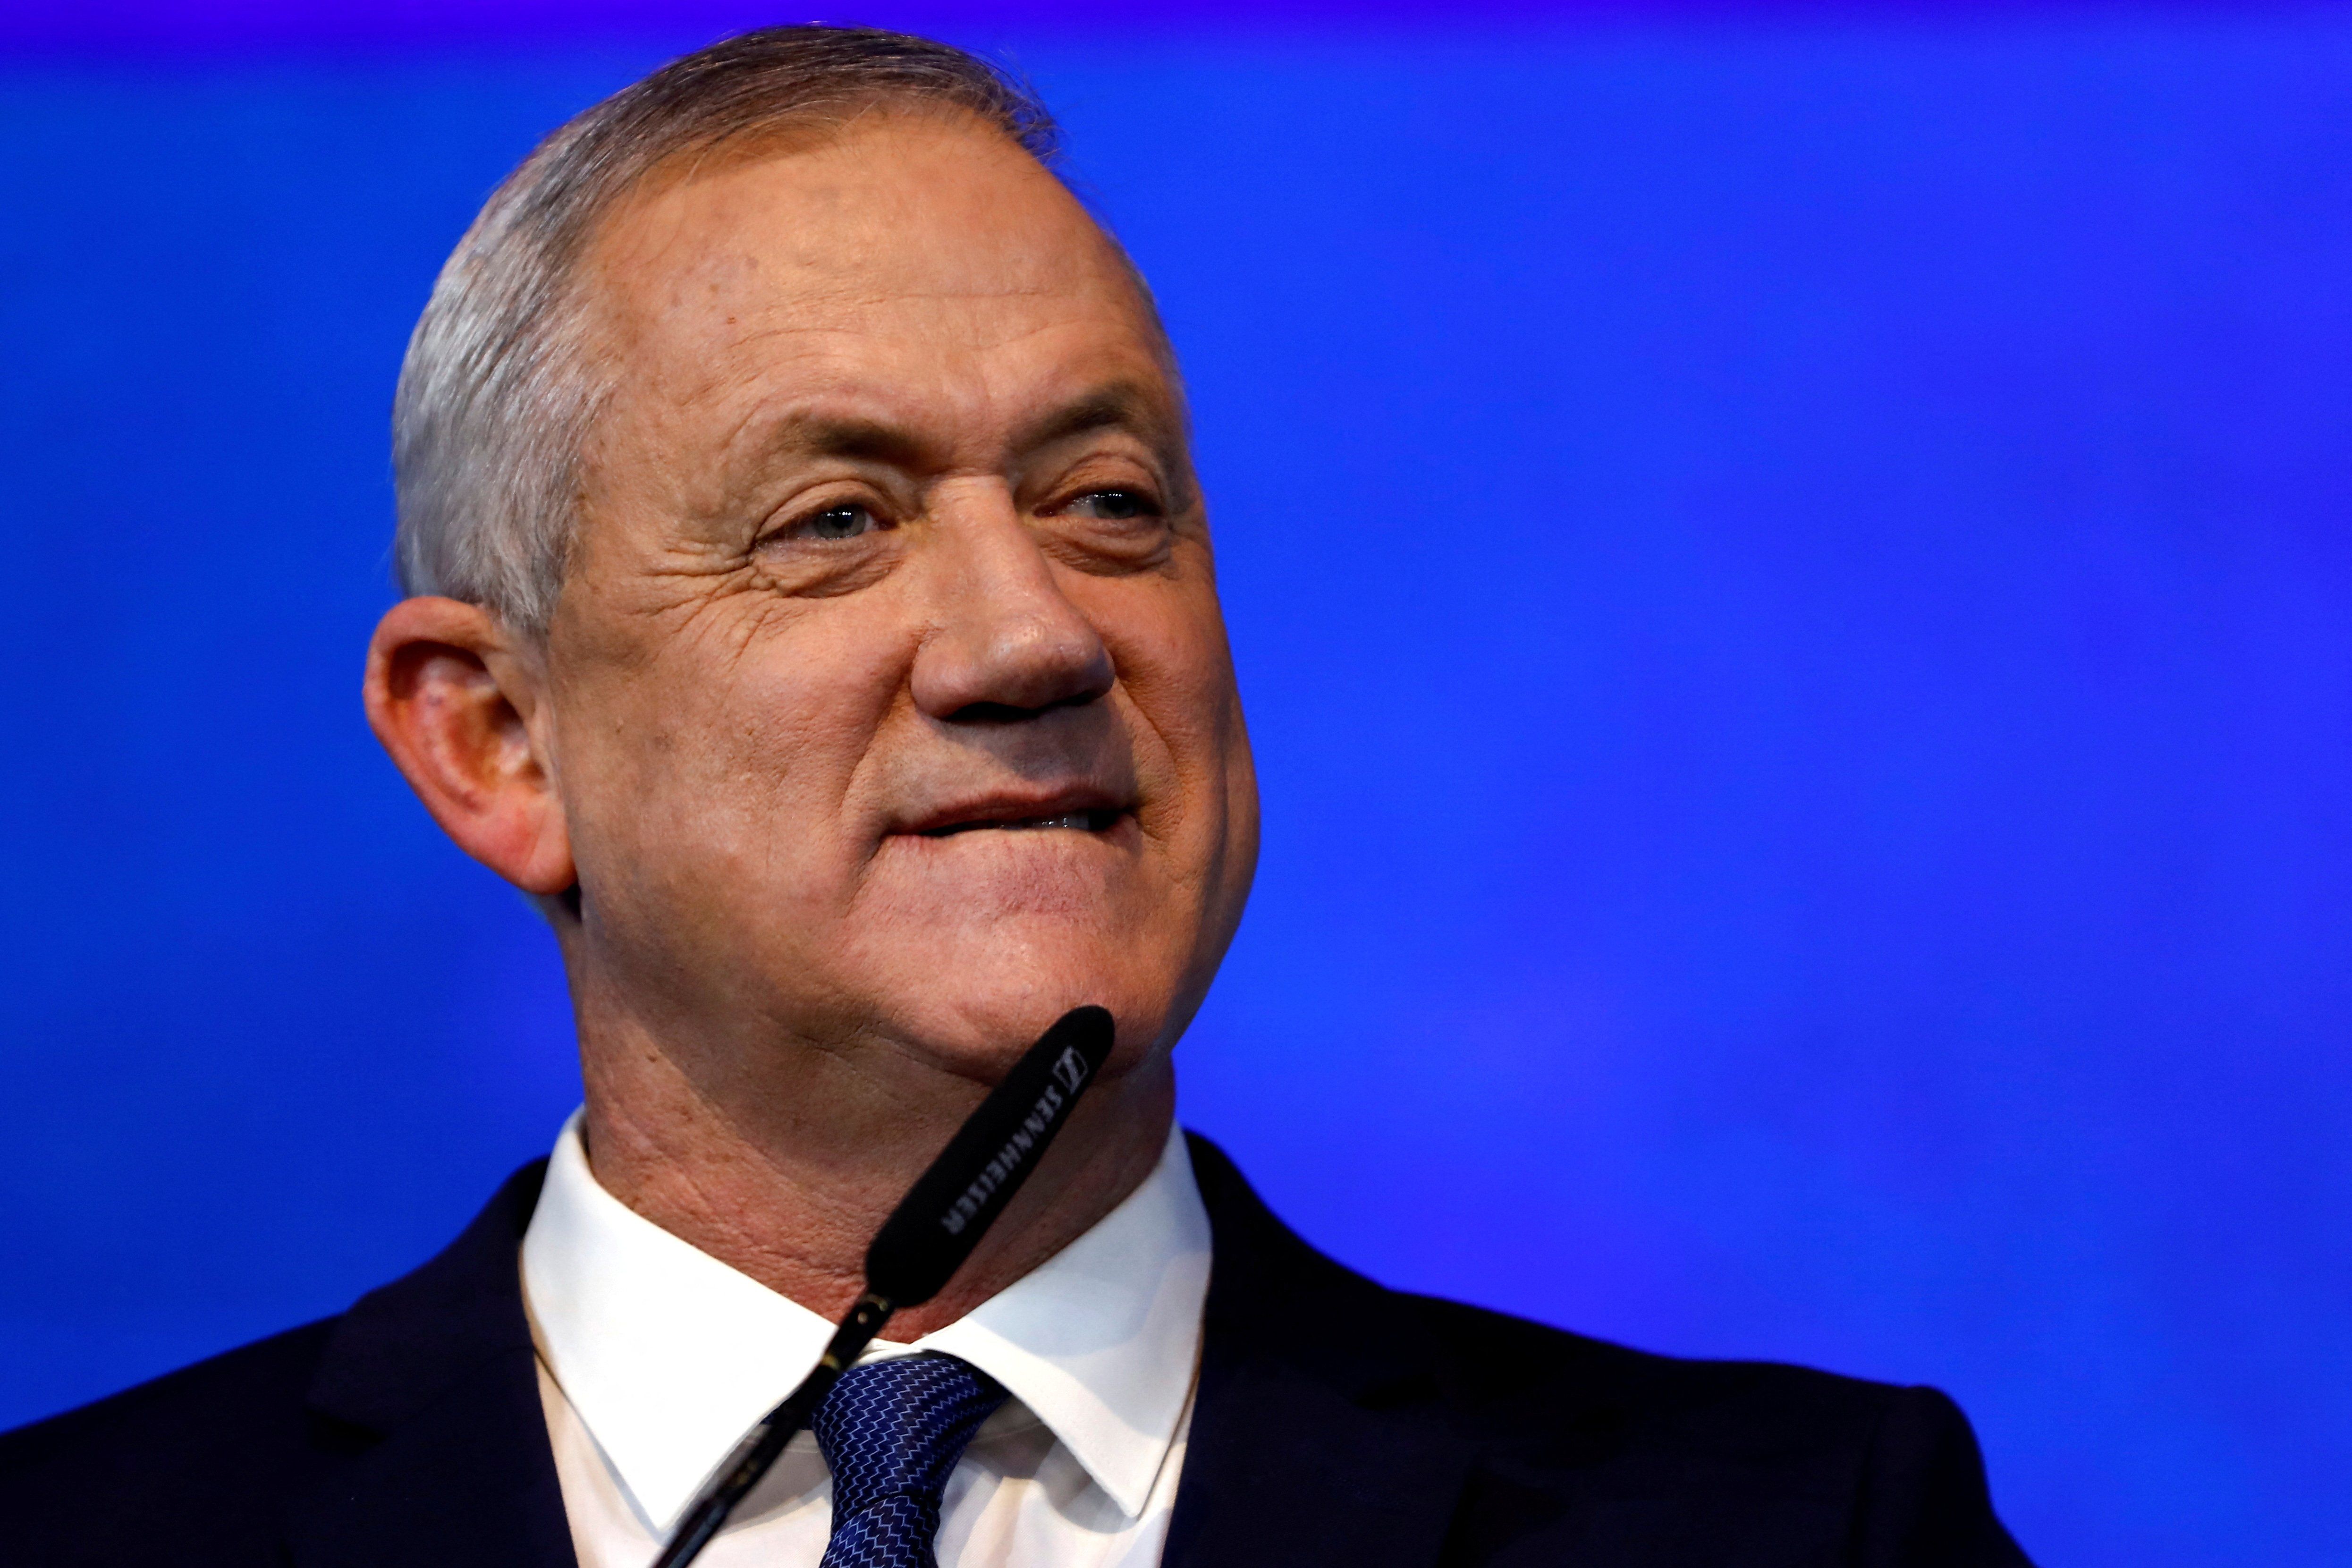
x=919 y=1249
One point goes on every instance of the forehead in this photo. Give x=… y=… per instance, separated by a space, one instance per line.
x=906 y=245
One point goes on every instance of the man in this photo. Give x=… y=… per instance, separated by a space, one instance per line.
x=812 y=608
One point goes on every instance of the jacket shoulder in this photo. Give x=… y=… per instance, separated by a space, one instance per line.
x=1515 y=1378
x=186 y=1464
x=1759 y=1451
x=222 y=1464
x=1576 y=1450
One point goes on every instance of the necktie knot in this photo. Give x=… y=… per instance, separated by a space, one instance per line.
x=891 y=1432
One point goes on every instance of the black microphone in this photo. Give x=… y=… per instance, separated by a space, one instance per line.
x=921 y=1245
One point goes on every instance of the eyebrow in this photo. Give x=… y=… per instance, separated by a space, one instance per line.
x=1121 y=405
x=1118 y=406
x=869 y=439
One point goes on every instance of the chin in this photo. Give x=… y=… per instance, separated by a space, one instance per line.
x=979 y=1005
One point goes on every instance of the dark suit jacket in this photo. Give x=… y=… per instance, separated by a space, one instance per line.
x=1337 y=1423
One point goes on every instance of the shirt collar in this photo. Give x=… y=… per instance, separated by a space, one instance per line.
x=667 y=1354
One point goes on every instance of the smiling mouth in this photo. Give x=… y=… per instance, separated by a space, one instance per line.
x=1098 y=821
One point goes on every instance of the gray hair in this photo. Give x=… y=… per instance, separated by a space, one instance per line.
x=496 y=396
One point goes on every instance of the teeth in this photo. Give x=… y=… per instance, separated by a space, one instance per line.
x=1076 y=819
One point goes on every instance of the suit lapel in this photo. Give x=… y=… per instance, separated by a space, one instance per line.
x=1317 y=1437
x=426 y=1411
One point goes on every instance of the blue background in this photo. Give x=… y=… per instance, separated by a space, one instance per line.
x=1792 y=579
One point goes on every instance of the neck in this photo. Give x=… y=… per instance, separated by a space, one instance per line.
x=783 y=1169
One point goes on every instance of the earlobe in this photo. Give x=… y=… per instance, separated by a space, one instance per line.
x=452 y=700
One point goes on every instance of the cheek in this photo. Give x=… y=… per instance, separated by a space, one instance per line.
x=716 y=772
x=1184 y=690
x=1172 y=658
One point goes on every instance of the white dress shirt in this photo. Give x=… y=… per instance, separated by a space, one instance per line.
x=655 y=1357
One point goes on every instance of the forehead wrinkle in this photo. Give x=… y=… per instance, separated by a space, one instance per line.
x=859 y=292
x=870 y=311
x=747 y=266
x=818 y=324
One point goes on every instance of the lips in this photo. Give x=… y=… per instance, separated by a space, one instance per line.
x=1077 y=821
x=1074 y=811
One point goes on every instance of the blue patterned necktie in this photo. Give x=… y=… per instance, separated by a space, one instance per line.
x=890 y=1432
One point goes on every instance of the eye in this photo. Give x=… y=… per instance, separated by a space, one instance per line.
x=848 y=520
x=1114 y=506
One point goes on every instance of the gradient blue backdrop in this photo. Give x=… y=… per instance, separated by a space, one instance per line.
x=1792 y=579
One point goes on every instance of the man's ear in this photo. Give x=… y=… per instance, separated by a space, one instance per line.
x=452 y=696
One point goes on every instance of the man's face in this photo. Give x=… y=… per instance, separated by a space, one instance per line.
x=890 y=698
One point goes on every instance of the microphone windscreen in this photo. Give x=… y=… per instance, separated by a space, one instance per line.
x=944 y=1214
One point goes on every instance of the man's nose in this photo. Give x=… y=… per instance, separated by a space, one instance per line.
x=1005 y=641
